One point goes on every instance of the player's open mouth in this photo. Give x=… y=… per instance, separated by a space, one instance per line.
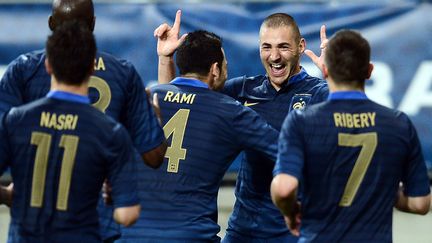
x=277 y=69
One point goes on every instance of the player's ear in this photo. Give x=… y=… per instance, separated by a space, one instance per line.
x=371 y=67
x=51 y=23
x=324 y=71
x=93 y=24
x=302 y=45
x=48 y=67
x=215 y=70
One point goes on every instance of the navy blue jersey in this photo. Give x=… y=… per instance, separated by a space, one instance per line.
x=116 y=88
x=206 y=130
x=352 y=154
x=254 y=214
x=60 y=150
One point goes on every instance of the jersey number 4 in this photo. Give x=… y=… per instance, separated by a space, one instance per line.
x=368 y=142
x=43 y=143
x=176 y=127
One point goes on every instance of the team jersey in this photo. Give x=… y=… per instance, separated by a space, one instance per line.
x=351 y=153
x=115 y=88
x=254 y=214
x=60 y=150
x=206 y=130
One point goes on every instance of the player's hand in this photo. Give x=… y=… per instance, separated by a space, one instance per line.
x=293 y=221
x=156 y=108
x=168 y=37
x=6 y=195
x=155 y=103
x=106 y=193
x=319 y=61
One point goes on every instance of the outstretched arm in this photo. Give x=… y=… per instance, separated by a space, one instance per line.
x=154 y=158
x=319 y=60
x=416 y=205
x=168 y=41
x=284 y=196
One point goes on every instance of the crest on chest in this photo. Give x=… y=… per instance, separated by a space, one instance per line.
x=300 y=101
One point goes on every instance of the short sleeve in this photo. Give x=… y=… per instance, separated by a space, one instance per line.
x=10 y=85
x=141 y=121
x=290 y=158
x=415 y=176
x=122 y=171
x=4 y=144
x=253 y=132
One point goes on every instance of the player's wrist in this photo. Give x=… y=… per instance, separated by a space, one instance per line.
x=166 y=59
x=3 y=195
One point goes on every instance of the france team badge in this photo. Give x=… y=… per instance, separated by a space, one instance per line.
x=299 y=101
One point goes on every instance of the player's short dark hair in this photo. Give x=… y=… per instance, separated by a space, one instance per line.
x=71 y=51
x=198 y=52
x=277 y=20
x=348 y=57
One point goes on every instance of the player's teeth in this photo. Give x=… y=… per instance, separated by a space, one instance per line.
x=276 y=65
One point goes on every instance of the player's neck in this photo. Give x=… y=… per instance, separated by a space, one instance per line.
x=341 y=88
x=75 y=89
x=197 y=77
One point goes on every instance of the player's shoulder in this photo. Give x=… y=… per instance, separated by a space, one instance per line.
x=115 y=70
x=244 y=87
x=19 y=111
x=311 y=111
x=245 y=81
x=316 y=84
x=113 y=60
x=29 y=61
x=394 y=115
x=164 y=87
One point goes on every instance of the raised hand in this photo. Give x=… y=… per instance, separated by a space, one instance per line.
x=319 y=61
x=168 y=37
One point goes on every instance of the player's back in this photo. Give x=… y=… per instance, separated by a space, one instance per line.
x=356 y=153
x=206 y=130
x=26 y=80
x=60 y=152
x=114 y=88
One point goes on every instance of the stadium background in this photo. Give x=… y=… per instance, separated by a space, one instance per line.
x=399 y=32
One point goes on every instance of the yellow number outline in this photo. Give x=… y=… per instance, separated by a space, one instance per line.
x=176 y=127
x=104 y=91
x=368 y=142
x=43 y=143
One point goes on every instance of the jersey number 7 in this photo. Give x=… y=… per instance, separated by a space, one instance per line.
x=368 y=142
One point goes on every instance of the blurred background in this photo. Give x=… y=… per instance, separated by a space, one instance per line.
x=399 y=33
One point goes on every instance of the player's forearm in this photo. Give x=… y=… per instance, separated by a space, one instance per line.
x=127 y=216
x=6 y=195
x=284 y=193
x=416 y=205
x=154 y=158
x=166 y=69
